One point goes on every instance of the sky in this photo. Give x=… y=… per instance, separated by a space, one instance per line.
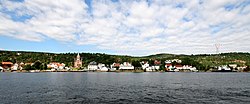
x=125 y=27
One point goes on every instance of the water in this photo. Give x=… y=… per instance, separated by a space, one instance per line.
x=155 y=87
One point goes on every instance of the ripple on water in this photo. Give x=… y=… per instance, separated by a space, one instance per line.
x=124 y=88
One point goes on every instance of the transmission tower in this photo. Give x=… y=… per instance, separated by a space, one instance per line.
x=217 y=46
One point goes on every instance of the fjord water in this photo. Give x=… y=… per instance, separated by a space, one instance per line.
x=104 y=87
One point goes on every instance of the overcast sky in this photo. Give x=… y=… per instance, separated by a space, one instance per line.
x=128 y=27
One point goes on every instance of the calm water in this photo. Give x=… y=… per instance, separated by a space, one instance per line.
x=125 y=88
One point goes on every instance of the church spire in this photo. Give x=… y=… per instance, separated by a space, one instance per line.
x=78 y=57
x=78 y=61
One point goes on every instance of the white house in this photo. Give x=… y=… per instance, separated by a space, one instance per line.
x=56 y=66
x=102 y=67
x=126 y=66
x=174 y=60
x=92 y=66
x=233 y=66
x=144 y=65
x=14 y=67
x=191 y=68
x=61 y=66
x=148 y=68
x=1 y=68
x=224 y=67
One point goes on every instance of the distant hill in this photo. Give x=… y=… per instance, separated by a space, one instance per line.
x=162 y=55
x=203 y=60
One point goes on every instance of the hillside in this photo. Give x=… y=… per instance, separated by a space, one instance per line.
x=203 y=61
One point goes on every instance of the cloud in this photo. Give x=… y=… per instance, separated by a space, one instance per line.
x=132 y=27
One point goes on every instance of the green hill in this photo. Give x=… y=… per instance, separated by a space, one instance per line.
x=203 y=61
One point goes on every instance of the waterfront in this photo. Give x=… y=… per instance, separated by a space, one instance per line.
x=66 y=87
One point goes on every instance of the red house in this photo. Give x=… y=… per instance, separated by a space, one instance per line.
x=7 y=65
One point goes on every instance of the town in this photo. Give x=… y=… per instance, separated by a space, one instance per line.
x=171 y=65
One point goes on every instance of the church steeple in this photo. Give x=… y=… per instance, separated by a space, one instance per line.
x=78 y=61
x=78 y=57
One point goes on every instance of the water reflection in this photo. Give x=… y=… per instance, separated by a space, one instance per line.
x=124 y=87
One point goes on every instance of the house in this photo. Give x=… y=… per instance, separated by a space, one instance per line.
x=14 y=67
x=188 y=67
x=156 y=62
x=145 y=66
x=1 y=68
x=156 y=65
x=178 y=67
x=7 y=65
x=29 y=63
x=102 y=67
x=56 y=66
x=241 y=68
x=126 y=66
x=169 y=67
x=233 y=66
x=174 y=60
x=52 y=65
x=61 y=66
x=114 y=66
x=92 y=66
x=223 y=68
x=21 y=65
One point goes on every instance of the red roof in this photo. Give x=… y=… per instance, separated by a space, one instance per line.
x=169 y=64
x=7 y=63
x=178 y=65
x=117 y=64
x=157 y=62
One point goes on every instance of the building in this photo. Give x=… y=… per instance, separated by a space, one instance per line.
x=145 y=66
x=78 y=61
x=56 y=66
x=224 y=68
x=114 y=66
x=102 y=67
x=14 y=67
x=188 y=67
x=169 y=66
x=174 y=60
x=1 y=68
x=92 y=66
x=7 y=65
x=126 y=66
x=156 y=65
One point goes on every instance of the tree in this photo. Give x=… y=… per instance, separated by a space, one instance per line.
x=136 y=64
x=44 y=66
x=28 y=67
x=37 y=65
x=151 y=62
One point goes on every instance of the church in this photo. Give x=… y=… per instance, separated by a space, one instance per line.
x=78 y=61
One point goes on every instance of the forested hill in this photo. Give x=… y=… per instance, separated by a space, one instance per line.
x=67 y=58
x=204 y=60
